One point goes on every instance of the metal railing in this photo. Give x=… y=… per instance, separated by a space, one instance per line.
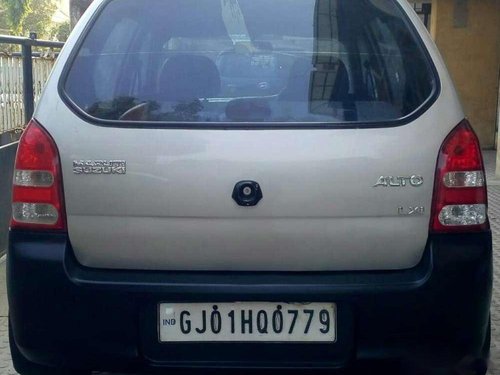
x=22 y=77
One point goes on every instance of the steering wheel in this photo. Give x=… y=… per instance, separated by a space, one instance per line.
x=136 y=113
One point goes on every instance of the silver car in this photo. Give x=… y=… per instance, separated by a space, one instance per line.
x=249 y=184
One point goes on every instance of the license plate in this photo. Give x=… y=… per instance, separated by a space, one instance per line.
x=247 y=322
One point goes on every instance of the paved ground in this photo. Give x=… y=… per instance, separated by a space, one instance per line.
x=494 y=201
x=5 y=362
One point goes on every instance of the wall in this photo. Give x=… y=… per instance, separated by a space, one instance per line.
x=7 y=155
x=467 y=33
x=497 y=170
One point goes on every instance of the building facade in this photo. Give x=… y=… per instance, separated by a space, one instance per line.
x=467 y=33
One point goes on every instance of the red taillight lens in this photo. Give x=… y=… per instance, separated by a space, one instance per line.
x=37 y=197
x=460 y=199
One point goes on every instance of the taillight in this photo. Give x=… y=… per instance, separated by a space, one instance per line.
x=460 y=199
x=37 y=197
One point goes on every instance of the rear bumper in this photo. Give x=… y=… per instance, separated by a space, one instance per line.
x=63 y=314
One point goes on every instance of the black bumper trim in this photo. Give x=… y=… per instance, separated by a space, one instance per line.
x=251 y=283
x=64 y=313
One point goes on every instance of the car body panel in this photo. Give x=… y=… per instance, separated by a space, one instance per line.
x=320 y=210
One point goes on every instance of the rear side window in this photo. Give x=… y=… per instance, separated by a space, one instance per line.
x=250 y=61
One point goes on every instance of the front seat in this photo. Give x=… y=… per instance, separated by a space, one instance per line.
x=185 y=77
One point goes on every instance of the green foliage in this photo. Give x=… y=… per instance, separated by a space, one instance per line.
x=62 y=31
x=21 y=17
x=39 y=19
x=16 y=13
x=4 y=24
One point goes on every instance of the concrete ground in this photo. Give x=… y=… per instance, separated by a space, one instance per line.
x=494 y=212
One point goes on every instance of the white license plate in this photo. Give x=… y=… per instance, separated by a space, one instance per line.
x=248 y=322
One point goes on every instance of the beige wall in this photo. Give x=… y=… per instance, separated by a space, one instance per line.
x=472 y=54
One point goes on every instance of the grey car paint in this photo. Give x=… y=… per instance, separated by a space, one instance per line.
x=320 y=211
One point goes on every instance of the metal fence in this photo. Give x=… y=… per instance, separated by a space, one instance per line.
x=22 y=78
x=11 y=88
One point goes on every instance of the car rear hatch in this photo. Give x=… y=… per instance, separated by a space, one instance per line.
x=330 y=113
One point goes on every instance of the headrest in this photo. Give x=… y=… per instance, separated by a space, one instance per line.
x=187 y=77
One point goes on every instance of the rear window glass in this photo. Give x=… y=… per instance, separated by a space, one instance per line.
x=255 y=61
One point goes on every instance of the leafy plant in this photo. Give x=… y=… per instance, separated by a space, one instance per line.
x=21 y=17
x=16 y=12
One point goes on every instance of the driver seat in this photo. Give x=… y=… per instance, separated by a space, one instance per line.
x=186 y=77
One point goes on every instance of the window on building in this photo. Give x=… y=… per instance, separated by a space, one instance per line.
x=424 y=9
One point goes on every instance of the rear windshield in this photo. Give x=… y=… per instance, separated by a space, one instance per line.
x=253 y=61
